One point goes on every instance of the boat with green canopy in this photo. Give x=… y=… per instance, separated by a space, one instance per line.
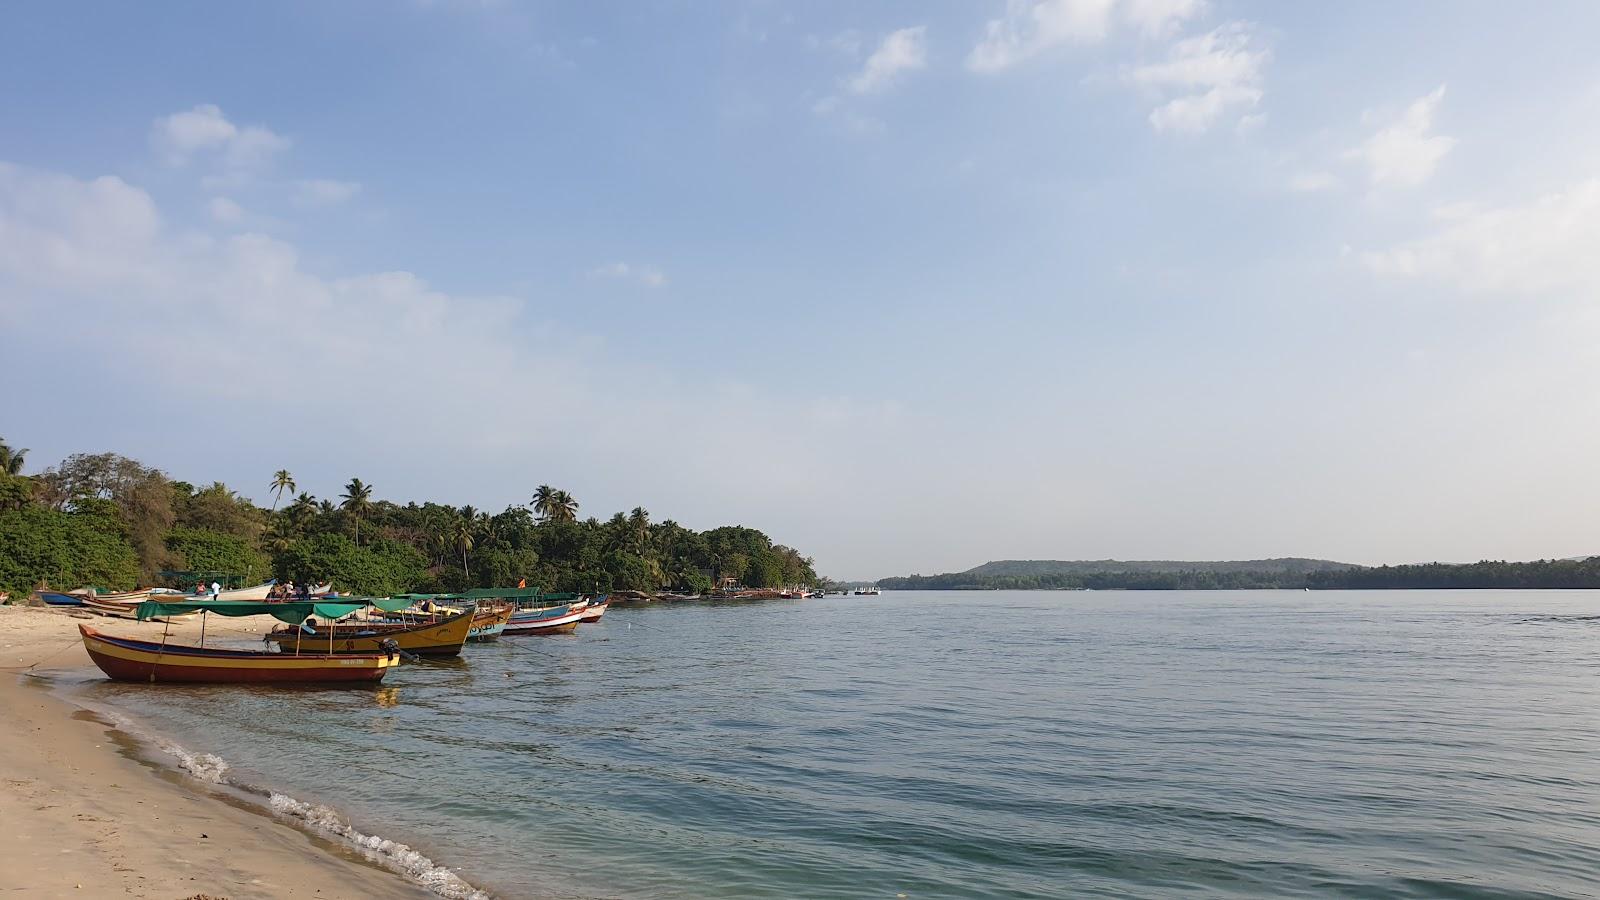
x=130 y=659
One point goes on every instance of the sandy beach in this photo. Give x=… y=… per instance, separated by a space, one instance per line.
x=83 y=818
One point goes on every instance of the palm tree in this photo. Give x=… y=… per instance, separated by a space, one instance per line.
x=554 y=505
x=281 y=481
x=463 y=537
x=357 y=502
x=11 y=460
x=639 y=529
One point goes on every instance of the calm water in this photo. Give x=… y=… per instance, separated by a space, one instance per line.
x=1428 y=744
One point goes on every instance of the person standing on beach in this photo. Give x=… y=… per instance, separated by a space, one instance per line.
x=216 y=589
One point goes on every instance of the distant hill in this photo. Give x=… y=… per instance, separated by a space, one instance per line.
x=1137 y=574
x=1293 y=572
x=1288 y=565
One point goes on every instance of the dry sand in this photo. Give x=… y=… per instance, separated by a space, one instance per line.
x=80 y=818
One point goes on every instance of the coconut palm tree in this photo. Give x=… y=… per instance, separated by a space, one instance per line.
x=281 y=481
x=639 y=529
x=11 y=460
x=357 y=499
x=554 y=505
x=463 y=538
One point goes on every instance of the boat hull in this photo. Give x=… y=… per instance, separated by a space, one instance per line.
x=56 y=598
x=126 y=659
x=593 y=612
x=560 y=620
x=443 y=638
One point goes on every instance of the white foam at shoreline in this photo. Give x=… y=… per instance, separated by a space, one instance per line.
x=213 y=769
x=438 y=879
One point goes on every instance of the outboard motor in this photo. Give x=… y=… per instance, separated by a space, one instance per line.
x=390 y=645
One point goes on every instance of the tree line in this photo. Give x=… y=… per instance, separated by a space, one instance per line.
x=108 y=521
x=1549 y=573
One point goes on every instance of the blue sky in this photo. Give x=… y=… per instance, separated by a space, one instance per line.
x=908 y=285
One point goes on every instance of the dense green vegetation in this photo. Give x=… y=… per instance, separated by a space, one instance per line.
x=1289 y=573
x=112 y=522
x=1286 y=565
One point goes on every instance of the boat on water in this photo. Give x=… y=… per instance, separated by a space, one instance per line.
x=595 y=610
x=488 y=618
x=558 y=619
x=161 y=662
x=444 y=637
x=867 y=592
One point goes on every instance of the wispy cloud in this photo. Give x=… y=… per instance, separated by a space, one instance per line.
x=901 y=51
x=1405 y=153
x=204 y=131
x=324 y=192
x=1537 y=247
x=225 y=211
x=1214 y=74
x=1031 y=27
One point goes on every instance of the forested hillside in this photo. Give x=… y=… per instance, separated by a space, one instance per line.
x=1035 y=567
x=108 y=521
x=1291 y=573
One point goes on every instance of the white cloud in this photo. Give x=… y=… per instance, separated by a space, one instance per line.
x=1404 y=154
x=226 y=211
x=901 y=51
x=1313 y=182
x=183 y=136
x=1031 y=27
x=324 y=191
x=1544 y=246
x=1219 y=72
x=649 y=276
x=1159 y=18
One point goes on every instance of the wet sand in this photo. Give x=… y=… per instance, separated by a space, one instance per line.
x=81 y=816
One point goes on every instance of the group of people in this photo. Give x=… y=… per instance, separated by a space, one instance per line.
x=288 y=590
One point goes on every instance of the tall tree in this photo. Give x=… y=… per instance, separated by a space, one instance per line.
x=281 y=481
x=357 y=498
x=463 y=536
x=554 y=505
x=10 y=459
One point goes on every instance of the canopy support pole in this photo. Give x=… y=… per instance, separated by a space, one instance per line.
x=202 y=628
x=166 y=625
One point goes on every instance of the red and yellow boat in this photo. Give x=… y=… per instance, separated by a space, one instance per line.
x=160 y=662
x=127 y=659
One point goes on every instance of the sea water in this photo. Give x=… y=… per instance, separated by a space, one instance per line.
x=993 y=744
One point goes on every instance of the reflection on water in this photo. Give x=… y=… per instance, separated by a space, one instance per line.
x=975 y=745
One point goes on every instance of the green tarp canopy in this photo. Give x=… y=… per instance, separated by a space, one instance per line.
x=391 y=604
x=292 y=613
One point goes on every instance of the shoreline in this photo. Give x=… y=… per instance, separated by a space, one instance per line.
x=101 y=807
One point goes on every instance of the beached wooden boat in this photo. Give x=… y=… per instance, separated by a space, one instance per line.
x=153 y=662
x=60 y=598
x=127 y=659
x=442 y=638
x=253 y=594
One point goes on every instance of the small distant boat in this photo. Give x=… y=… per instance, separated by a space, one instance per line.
x=867 y=592
x=160 y=662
